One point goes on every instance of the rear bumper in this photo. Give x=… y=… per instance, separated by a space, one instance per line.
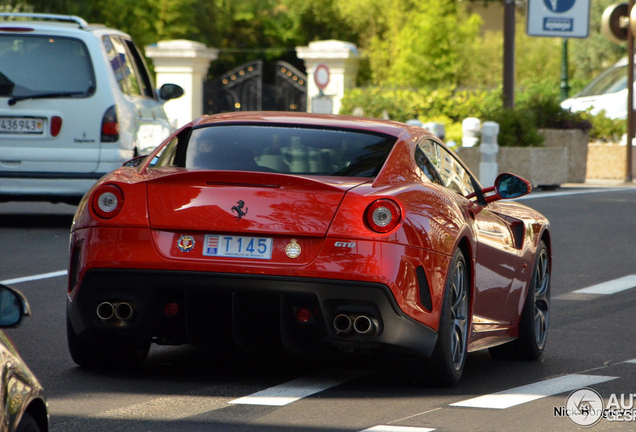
x=251 y=311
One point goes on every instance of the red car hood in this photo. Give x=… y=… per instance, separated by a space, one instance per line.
x=229 y=201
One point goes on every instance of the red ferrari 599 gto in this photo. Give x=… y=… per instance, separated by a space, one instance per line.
x=300 y=231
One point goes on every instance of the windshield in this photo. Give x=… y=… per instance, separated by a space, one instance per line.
x=32 y=65
x=283 y=149
x=611 y=80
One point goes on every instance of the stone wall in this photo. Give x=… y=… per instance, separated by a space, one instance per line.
x=607 y=161
x=576 y=141
x=541 y=166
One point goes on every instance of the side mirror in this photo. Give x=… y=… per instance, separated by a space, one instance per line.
x=13 y=306
x=170 y=91
x=507 y=186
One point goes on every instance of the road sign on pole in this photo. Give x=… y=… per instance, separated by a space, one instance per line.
x=559 y=18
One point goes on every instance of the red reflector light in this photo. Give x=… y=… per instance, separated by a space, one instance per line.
x=383 y=215
x=107 y=201
x=110 y=125
x=110 y=128
x=172 y=309
x=56 y=125
x=303 y=315
x=16 y=29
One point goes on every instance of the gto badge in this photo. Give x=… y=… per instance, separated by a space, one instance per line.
x=350 y=245
x=185 y=243
x=293 y=249
x=238 y=208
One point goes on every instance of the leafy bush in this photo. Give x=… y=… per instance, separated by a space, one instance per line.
x=548 y=113
x=517 y=128
x=537 y=107
x=606 y=129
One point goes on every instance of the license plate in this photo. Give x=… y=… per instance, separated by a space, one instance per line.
x=21 y=125
x=237 y=246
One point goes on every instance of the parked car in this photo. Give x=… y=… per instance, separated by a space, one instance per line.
x=76 y=101
x=607 y=92
x=300 y=231
x=24 y=405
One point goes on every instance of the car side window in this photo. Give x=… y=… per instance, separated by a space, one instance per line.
x=123 y=66
x=446 y=167
x=425 y=153
x=173 y=154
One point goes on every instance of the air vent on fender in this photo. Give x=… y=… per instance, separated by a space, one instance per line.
x=425 y=291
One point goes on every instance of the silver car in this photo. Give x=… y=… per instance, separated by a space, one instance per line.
x=24 y=405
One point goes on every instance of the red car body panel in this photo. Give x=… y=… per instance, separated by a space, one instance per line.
x=325 y=216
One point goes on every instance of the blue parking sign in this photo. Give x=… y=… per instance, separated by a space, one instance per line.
x=558 y=18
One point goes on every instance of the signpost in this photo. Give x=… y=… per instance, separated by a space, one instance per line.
x=619 y=25
x=322 y=104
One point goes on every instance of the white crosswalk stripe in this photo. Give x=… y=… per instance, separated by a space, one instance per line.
x=294 y=390
x=528 y=393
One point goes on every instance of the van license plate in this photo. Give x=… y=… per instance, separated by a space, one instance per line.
x=21 y=125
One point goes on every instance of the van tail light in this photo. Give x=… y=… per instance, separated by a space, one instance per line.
x=56 y=125
x=110 y=125
x=383 y=215
x=107 y=201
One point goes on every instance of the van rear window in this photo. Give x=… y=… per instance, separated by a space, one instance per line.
x=31 y=64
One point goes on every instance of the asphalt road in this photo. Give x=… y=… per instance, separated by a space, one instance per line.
x=591 y=344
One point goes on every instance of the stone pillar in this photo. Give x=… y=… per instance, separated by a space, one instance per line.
x=185 y=63
x=341 y=58
x=470 y=129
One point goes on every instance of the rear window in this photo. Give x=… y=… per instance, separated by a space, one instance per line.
x=282 y=149
x=32 y=65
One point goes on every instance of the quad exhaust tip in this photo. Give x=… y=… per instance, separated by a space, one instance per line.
x=359 y=324
x=121 y=311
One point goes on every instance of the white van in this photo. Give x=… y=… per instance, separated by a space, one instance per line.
x=607 y=92
x=76 y=101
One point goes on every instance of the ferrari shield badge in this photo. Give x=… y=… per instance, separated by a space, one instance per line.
x=185 y=243
x=292 y=249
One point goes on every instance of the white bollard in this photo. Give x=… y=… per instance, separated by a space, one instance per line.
x=436 y=129
x=488 y=167
x=470 y=128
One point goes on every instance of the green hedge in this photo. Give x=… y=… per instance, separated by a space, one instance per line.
x=535 y=109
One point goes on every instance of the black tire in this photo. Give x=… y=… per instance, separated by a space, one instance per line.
x=28 y=424
x=105 y=353
x=535 y=317
x=445 y=366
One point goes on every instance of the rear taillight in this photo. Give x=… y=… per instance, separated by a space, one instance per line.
x=107 y=201
x=110 y=126
x=56 y=125
x=383 y=215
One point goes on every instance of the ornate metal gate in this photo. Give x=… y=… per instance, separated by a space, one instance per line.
x=242 y=89
x=291 y=85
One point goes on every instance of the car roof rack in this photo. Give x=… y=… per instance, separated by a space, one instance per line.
x=53 y=17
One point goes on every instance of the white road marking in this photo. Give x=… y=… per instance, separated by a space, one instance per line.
x=577 y=192
x=610 y=287
x=294 y=390
x=520 y=395
x=397 y=429
x=34 y=277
